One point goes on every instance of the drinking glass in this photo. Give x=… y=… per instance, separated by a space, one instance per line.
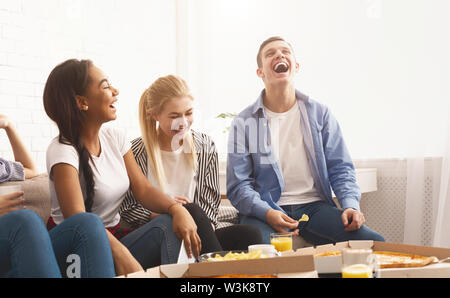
x=281 y=241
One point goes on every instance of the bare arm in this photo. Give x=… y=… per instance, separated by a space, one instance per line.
x=149 y=196
x=153 y=199
x=68 y=189
x=21 y=153
x=70 y=198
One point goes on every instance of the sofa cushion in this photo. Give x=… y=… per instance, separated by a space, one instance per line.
x=228 y=215
x=36 y=194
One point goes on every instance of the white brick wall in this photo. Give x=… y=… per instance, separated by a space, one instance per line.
x=132 y=41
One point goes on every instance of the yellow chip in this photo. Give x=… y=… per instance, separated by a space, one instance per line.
x=230 y=256
x=304 y=218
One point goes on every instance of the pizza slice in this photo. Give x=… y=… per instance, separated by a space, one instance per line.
x=387 y=259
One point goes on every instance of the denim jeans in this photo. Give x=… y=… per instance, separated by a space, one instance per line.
x=28 y=250
x=235 y=237
x=324 y=225
x=154 y=243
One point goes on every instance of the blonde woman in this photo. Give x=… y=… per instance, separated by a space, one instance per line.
x=182 y=162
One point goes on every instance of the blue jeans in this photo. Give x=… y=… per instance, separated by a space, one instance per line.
x=154 y=243
x=324 y=225
x=28 y=250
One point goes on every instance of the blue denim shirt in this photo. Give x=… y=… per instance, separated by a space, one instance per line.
x=254 y=180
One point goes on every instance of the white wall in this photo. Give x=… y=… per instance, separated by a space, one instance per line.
x=134 y=42
x=381 y=66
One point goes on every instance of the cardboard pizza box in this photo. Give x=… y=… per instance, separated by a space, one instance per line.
x=441 y=270
x=333 y=264
x=295 y=266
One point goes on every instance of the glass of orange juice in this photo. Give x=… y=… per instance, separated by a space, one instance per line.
x=281 y=241
x=358 y=263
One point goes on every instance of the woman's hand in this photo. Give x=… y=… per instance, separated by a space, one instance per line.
x=11 y=202
x=157 y=201
x=185 y=228
x=181 y=200
x=4 y=121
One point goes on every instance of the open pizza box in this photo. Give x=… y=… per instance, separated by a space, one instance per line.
x=333 y=264
x=295 y=266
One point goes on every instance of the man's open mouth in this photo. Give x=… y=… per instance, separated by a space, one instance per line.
x=281 y=67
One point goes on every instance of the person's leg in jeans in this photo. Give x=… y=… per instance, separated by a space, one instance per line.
x=263 y=227
x=238 y=237
x=82 y=238
x=325 y=224
x=154 y=243
x=25 y=247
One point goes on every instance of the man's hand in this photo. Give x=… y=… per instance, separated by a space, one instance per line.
x=279 y=221
x=352 y=219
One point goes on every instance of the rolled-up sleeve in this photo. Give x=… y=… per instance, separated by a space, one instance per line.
x=341 y=171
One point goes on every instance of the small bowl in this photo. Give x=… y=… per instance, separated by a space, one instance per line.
x=266 y=249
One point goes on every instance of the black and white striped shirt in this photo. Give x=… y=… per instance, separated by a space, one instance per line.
x=207 y=192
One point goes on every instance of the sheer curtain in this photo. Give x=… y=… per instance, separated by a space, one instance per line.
x=381 y=66
x=425 y=200
x=427 y=206
x=441 y=229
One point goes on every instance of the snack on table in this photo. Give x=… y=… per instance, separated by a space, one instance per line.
x=233 y=256
x=328 y=254
x=388 y=259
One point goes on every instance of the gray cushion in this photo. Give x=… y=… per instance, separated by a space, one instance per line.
x=228 y=215
x=36 y=193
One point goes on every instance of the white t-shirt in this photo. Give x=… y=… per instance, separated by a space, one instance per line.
x=289 y=150
x=179 y=174
x=110 y=175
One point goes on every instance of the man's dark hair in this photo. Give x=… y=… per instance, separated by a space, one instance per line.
x=266 y=42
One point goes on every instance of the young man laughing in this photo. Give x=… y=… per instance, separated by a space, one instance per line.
x=285 y=153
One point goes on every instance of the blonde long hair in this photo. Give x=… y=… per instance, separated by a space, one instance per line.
x=151 y=103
